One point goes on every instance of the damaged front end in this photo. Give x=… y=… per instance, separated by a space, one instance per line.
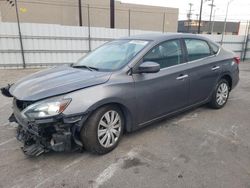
x=42 y=127
x=41 y=137
x=58 y=133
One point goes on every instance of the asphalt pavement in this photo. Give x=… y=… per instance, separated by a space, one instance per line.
x=199 y=148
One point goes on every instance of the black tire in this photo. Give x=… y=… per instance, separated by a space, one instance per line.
x=89 y=135
x=213 y=101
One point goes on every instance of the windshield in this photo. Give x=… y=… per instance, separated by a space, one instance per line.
x=112 y=56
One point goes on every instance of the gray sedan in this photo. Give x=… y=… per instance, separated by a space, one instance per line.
x=121 y=86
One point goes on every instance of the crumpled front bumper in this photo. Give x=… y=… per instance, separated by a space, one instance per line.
x=36 y=143
x=41 y=136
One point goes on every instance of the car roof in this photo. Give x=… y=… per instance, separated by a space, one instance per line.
x=161 y=37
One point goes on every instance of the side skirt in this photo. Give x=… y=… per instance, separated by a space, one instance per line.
x=171 y=114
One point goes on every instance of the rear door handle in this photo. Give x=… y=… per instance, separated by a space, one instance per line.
x=181 y=77
x=215 y=68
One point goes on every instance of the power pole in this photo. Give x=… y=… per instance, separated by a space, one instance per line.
x=112 y=13
x=189 y=16
x=199 y=26
x=210 y=18
x=80 y=12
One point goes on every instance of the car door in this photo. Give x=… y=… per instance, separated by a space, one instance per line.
x=165 y=91
x=202 y=69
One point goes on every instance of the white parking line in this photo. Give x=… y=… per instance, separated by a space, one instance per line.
x=106 y=174
x=72 y=163
x=187 y=118
x=7 y=141
x=10 y=125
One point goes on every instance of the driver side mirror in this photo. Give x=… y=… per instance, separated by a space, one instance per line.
x=148 y=67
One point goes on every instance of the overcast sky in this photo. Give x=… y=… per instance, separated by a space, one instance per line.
x=239 y=10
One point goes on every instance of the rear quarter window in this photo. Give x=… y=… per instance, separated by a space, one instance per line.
x=214 y=48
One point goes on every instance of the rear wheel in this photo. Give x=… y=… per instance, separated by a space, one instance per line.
x=103 y=130
x=220 y=95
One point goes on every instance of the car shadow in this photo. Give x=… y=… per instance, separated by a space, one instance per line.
x=166 y=122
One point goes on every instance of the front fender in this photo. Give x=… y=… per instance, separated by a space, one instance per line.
x=87 y=100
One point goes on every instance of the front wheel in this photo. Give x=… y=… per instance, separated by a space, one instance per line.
x=220 y=95
x=103 y=130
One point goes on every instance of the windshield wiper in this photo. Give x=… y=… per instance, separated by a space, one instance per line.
x=86 y=67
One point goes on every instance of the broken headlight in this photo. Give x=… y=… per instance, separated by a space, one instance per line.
x=46 y=108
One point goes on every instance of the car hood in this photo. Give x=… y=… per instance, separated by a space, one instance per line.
x=56 y=81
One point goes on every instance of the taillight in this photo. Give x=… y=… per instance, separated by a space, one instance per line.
x=237 y=60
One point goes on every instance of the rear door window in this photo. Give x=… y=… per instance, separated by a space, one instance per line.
x=197 y=49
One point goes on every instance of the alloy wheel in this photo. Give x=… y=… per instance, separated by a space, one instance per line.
x=222 y=94
x=109 y=129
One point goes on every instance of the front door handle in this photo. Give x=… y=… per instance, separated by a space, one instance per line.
x=181 y=77
x=215 y=68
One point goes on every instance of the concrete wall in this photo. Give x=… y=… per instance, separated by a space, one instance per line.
x=66 y=13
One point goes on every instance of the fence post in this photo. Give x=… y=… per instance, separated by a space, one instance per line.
x=163 y=24
x=89 y=37
x=244 y=43
x=128 y=22
x=20 y=35
x=247 y=41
